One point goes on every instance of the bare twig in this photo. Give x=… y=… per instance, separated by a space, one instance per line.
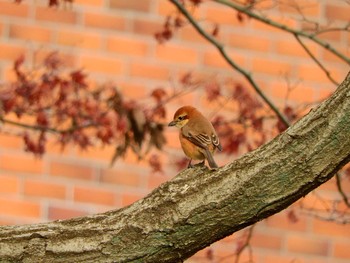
x=311 y=55
x=300 y=33
x=45 y=128
x=245 y=245
x=340 y=190
x=231 y=62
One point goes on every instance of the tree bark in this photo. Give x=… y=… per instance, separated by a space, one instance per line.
x=199 y=206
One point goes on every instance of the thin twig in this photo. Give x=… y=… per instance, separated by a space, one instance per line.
x=307 y=50
x=45 y=128
x=232 y=63
x=340 y=190
x=286 y=28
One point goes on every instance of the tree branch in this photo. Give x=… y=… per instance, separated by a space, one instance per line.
x=293 y=31
x=45 y=128
x=340 y=190
x=199 y=206
x=308 y=51
x=231 y=62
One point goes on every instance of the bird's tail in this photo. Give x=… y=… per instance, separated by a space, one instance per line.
x=210 y=159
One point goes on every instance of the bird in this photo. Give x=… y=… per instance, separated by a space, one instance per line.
x=197 y=135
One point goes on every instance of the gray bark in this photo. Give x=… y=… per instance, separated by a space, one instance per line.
x=199 y=206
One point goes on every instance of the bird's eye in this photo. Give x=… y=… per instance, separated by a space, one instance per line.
x=180 y=118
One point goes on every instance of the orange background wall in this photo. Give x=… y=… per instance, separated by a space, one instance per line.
x=112 y=40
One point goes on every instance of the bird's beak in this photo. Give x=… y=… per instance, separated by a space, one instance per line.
x=172 y=123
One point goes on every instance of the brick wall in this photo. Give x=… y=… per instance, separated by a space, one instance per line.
x=113 y=41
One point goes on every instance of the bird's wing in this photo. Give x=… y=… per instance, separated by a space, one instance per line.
x=201 y=140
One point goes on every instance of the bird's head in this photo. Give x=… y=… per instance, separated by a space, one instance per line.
x=181 y=116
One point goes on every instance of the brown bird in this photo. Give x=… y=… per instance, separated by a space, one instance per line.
x=197 y=135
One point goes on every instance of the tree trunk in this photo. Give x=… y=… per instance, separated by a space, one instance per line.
x=199 y=206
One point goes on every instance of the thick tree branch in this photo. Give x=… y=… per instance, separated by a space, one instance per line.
x=199 y=206
x=230 y=61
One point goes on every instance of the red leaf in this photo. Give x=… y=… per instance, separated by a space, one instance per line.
x=213 y=91
x=240 y=17
x=215 y=31
x=158 y=94
x=78 y=77
x=179 y=22
x=210 y=254
x=289 y=112
x=53 y=3
x=196 y=2
x=281 y=126
x=292 y=217
x=42 y=119
x=52 y=61
x=186 y=79
x=181 y=163
x=155 y=163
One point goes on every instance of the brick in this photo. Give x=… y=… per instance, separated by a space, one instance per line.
x=251 y=42
x=55 y=15
x=280 y=221
x=9 y=184
x=303 y=93
x=11 y=52
x=329 y=56
x=94 y=3
x=98 y=153
x=20 y=208
x=70 y=170
x=80 y=40
x=129 y=198
x=331 y=35
x=154 y=180
x=190 y=34
x=222 y=16
x=293 y=48
x=149 y=71
x=94 y=195
x=104 y=21
x=176 y=54
x=136 y=6
x=337 y=12
x=265 y=240
x=127 y=46
x=330 y=229
x=9 y=8
x=271 y=258
x=172 y=138
x=308 y=245
x=164 y=8
x=30 y=32
x=11 y=141
x=146 y=27
x=269 y=66
x=341 y=249
x=61 y=213
x=309 y=8
x=21 y=163
x=68 y=59
x=44 y=189
x=133 y=90
x=312 y=73
x=102 y=64
x=121 y=177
